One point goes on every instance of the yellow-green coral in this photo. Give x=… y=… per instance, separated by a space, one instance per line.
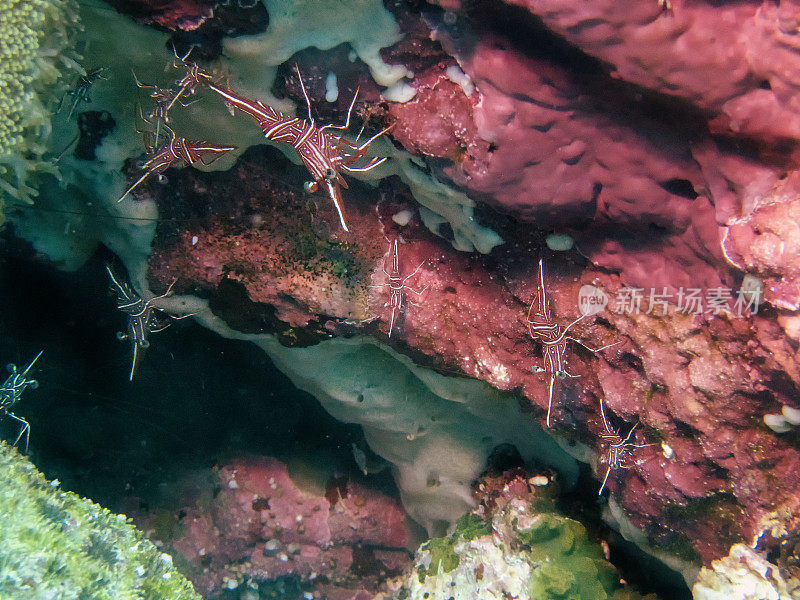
x=36 y=38
x=55 y=544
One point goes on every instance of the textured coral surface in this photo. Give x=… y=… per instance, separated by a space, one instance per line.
x=643 y=146
x=643 y=179
x=515 y=544
x=55 y=544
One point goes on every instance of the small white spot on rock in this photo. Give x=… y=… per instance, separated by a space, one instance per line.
x=194 y=240
x=791 y=414
x=399 y=92
x=331 y=88
x=666 y=450
x=232 y=484
x=752 y=289
x=777 y=423
x=403 y=217
x=457 y=76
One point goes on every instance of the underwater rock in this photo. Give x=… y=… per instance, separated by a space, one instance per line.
x=182 y=15
x=253 y=525
x=256 y=233
x=696 y=384
x=635 y=178
x=547 y=144
x=736 y=61
x=765 y=243
x=514 y=545
x=742 y=575
x=56 y=544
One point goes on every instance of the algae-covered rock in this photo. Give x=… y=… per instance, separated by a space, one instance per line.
x=514 y=547
x=56 y=545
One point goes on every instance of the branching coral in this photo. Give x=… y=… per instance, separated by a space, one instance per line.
x=36 y=56
x=59 y=545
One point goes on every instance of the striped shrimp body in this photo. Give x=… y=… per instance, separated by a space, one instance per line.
x=323 y=152
x=553 y=337
x=176 y=150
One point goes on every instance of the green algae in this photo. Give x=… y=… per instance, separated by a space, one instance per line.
x=443 y=557
x=471 y=526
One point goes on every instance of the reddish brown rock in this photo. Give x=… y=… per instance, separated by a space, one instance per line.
x=253 y=524
x=765 y=242
x=700 y=384
x=184 y=15
x=736 y=60
x=642 y=190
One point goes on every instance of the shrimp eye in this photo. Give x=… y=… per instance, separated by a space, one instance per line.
x=537 y=369
x=561 y=374
x=330 y=174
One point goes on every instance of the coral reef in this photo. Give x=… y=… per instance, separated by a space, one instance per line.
x=54 y=544
x=765 y=242
x=682 y=398
x=631 y=150
x=249 y=525
x=38 y=58
x=735 y=61
x=513 y=545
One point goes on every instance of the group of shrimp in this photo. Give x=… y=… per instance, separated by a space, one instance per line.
x=554 y=339
x=323 y=151
x=326 y=153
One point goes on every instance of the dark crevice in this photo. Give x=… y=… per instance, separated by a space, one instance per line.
x=679 y=187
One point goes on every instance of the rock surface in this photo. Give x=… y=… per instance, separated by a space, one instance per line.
x=657 y=147
x=252 y=526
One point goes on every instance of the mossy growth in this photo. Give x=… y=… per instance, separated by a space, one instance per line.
x=720 y=509
x=471 y=526
x=36 y=58
x=442 y=550
x=443 y=557
x=569 y=565
x=55 y=544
